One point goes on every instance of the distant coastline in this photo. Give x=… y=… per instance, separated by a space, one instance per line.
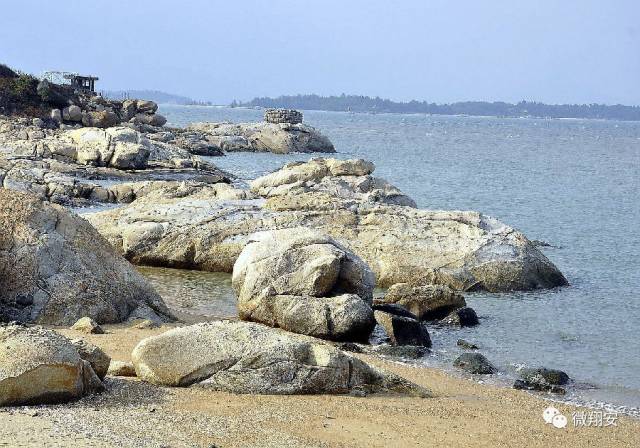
x=154 y=95
x=366 y=104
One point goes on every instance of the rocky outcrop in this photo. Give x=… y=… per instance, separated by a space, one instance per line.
x=462 y=250
x=305 y=282
x=55 y=268
x=90 y=165
x=40 y=366
x=243 y=357
x=100 y=112
x=280 y=138
x=121 y=148
x=348 y=180
x=427 y=302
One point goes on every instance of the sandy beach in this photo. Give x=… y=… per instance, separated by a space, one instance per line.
x=463 y=413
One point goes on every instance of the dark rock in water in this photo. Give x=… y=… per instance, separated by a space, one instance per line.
x=474 y=363
x=394 y=309
x=466 y=344
x=399 y=351
x=427 y=302
x=542 y=379
x=462 y=317
x=523 y=385
x=403 y=330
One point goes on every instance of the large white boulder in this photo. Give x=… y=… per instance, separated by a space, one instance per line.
x=244 y=357
x=305 y=282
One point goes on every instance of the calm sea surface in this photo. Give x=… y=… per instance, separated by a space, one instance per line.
x=572 y=183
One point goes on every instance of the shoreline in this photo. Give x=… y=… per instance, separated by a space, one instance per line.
x=440 y=357
x=462 y=412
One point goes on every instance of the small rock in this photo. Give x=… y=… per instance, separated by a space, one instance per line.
x=101 y=119
x=72 y=113
x=94 y=355
x=523 y=385
x=151 y=119
x=462 y=317
x=466 y=344
x=37 y=122
x=146 y=106
x=56 y=115
x=428 y=302
x=542 y=379
x=474 y=363
x=87 y=325
x=349 y=347
x=145 y=324
x=403 y=330
x=121 y=368
x=358 y=392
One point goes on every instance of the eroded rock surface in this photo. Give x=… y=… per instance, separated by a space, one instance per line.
x=56 y=268
x=195 y=228
x=305 y=282
x=245 y=357
x=40 y=366
x=279 y=138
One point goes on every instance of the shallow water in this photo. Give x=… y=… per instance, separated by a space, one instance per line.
x=194 y=293
x=572 y=183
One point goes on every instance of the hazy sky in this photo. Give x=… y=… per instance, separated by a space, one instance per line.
x=552 y=51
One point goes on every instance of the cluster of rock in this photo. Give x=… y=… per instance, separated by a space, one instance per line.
x=278 y=138
x=94 y=164
x=197 y=229
x=276 y=116
x=85 y=165
x=97 y=111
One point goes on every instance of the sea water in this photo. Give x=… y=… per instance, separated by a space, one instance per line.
x=571 y=183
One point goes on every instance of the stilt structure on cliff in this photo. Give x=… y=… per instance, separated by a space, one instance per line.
x=81 y=82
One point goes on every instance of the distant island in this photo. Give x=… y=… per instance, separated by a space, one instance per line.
x=153 y=95
x=366 y=104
